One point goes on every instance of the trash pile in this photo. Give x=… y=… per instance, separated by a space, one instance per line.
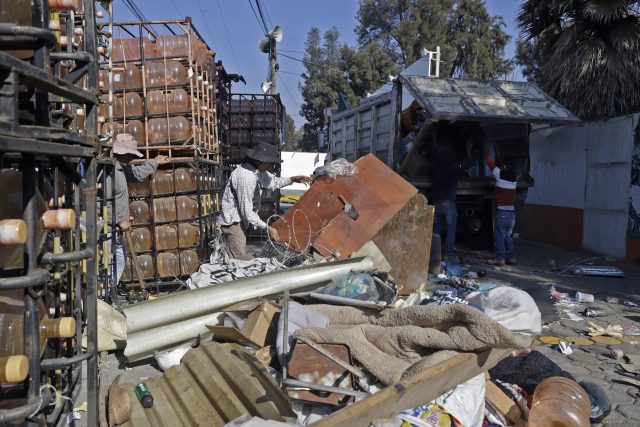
x=349 y=336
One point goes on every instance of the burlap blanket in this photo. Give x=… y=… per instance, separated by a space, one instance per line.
x=397 y=343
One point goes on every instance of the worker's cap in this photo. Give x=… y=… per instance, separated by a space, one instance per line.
x=126 y=144
x=264 y=152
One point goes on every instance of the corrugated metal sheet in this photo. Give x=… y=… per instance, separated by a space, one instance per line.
x=558 y=155
x=481 y=100
x=214 y=384
x=610 y=144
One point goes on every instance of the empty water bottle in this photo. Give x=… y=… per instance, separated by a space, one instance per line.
x=166 y=236
x=128 y=105
x=163 y=182
x=559 y=401
x=164 y=209
x=166 y=130
x=164 y=73
x=184 y=180
x=189 y=262
x=188 y=234
x=139 y=210
x=141 y=238
x=168 y=264
x=172 y=45
x=187 y=207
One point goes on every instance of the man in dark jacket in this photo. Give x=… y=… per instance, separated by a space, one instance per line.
x=445 y=171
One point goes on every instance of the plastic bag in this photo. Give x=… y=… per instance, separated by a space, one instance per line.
x=340 y=167
x=353 y=285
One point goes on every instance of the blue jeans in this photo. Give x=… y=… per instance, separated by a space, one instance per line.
x=445 y=221
x=502 y=234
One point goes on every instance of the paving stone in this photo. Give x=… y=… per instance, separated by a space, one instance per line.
x=617 y=397
x=606 y=385
x=615 y=418
x=633 y=392
x=579 y=340
x=583 y=357
x=548 y=339
x=630 y=411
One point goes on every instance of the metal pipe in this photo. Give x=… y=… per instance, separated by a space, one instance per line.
x=36 y=277
x=75 y=256
x=197 y=302
x=305 y=385
x=15 y=415
x=141 y=345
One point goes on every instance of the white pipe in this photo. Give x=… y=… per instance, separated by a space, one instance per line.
x=141 y=345
x=198 y=302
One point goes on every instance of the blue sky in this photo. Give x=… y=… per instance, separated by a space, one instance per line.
x=232 y=30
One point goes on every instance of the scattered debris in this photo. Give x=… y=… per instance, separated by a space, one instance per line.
x=564 y=348
x=596 y=270
x=610 y=331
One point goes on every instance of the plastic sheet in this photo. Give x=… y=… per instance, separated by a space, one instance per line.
x=353 y=285
x=340 y=167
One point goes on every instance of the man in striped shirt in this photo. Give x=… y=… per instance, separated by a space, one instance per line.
x=505 y=220
x=241 y=198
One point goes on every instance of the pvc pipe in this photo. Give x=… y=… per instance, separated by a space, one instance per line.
x=198 y=302
x=142 y=344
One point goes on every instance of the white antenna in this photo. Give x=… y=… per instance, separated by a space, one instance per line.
x=432 y=56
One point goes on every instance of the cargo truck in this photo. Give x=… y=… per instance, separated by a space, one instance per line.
x=499 y=114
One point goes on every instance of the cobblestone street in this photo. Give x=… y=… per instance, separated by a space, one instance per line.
x=591 y=359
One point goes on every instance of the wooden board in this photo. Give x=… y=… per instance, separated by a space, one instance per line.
x=416 y=390
x=405 y=242
x=318 y=220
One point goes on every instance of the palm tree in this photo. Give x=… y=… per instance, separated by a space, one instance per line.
x=585 y=53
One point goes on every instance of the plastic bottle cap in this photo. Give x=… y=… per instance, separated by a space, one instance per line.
x=16 y=369
x=67 y=327
x=13 y=232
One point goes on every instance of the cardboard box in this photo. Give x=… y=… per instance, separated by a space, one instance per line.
x=258 y=330
x=502 y=403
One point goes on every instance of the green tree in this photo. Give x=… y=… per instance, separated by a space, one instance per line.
x=291 y=135
x=322 y=81
x=471 y=41
x=367 y=68
x=585 y=53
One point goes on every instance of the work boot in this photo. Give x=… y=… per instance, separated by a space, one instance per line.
x=496 y=261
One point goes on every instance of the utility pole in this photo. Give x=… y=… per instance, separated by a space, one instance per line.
x=273 y=64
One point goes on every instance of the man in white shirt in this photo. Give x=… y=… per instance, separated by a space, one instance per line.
x=241 y=198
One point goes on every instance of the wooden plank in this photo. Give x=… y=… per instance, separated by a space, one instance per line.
x=405 y=241
x=416 y=390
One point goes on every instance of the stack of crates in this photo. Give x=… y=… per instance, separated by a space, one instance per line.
x=252 y=119
x=160 y=84
x=158 y=81
x=48 y=257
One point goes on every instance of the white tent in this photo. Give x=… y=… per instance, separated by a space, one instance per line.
x=297 y=163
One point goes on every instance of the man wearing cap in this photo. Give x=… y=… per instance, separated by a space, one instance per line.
x=125 y=149
x=241 y=197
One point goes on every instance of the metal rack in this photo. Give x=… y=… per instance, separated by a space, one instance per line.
x=202 y=79
x=207 y=179
x=43 y=136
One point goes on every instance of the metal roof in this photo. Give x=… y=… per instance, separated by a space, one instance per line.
x=456 y=99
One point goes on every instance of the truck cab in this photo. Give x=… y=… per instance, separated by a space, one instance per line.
x=498 y=114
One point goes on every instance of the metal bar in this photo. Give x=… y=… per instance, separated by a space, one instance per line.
x=82 y=57
x=51 y=258
x=346 y=365
x=44 y=133
x=189 y=304
x=76 y=74
x=12 y=416
x=63 y=362
x=43 y=35
x=41 y=79
x=319 y=387
x=31 y=316
x=34 y=146
x=91 y=303
x=34 y=278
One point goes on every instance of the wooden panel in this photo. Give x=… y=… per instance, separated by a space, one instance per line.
x=405 y=241
x=319 y=220
x=416 y=390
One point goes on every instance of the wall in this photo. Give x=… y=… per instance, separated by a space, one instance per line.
x=554 y=208
x=587 y=188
